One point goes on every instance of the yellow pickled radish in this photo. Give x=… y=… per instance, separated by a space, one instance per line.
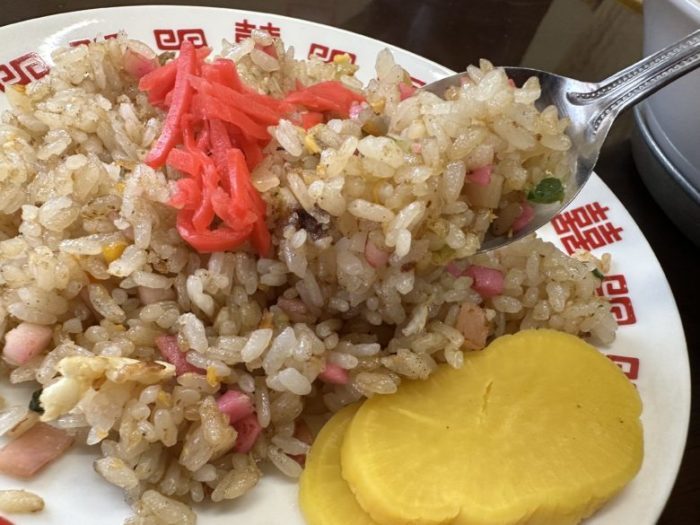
x=324 y=496
x=539 y=427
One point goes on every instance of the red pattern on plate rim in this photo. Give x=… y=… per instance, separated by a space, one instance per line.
x=629 y=365
x=86 y=41
x=244 y=29
x=614 y=287
x=172 y=39
x=22 y=70
x=586 y=228
x=327 y=54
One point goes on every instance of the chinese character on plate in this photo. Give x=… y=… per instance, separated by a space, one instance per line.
x=244 y=29
x=271 y=29
x=586 y=228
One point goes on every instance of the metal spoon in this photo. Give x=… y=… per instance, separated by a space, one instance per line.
x=591 y=108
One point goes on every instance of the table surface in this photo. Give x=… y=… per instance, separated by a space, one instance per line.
x=585 y=38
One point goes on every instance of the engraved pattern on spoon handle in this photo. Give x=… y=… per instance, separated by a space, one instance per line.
x=640 y=80
x=643 y=69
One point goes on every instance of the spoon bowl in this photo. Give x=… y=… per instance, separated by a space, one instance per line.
x=591 y=108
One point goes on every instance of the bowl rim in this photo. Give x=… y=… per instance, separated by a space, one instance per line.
x=689 y=7
x=641 y=120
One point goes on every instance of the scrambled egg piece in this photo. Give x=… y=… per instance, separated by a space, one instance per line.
x=80 y=372
x=113 y=250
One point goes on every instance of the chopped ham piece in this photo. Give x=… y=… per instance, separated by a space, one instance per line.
x=480 y=176
x=453 y=269
x=25 y=342
x=527 y=213
x=471 y=323
x=334 y=374
x=375 y=257
x=138 y=65
x=235 y=404
x=268 y=50
x=139 y=59
x=355 y=109
x=488 y=282
x=406 y=90
x=167 y=344
x=33 y=450
x=248 y=430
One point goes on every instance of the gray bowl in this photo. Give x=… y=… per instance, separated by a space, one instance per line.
x=671 y=189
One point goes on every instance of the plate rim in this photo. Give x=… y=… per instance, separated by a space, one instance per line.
x=684 y=381
x=183 y=7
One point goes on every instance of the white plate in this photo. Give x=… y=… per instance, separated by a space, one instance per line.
x=650 y=345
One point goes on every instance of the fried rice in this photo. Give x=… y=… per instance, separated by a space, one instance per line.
x=365 y=215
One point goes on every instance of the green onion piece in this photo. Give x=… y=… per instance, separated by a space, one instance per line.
x=598 y=273
x=547 y=191
x=443 y=255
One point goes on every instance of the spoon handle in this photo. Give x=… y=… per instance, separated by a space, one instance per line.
x=636 y=82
